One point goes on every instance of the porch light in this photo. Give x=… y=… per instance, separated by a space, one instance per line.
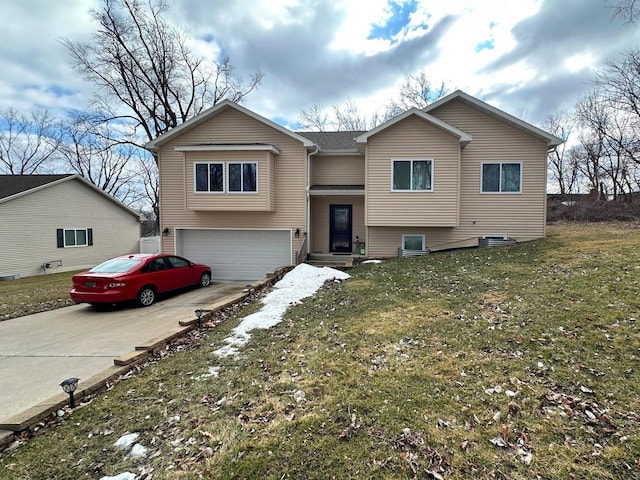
x=199 y=312
x=297 y=233
x=165 y=232
x=69 y=386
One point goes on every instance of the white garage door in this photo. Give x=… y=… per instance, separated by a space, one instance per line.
x=236 y=254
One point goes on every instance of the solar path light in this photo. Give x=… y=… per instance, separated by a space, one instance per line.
x=199 y=312
x=69 y=386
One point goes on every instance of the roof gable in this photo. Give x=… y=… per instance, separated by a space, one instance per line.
x=16 y=186
x=211 y=112
x=463 y=137
x=551 y=140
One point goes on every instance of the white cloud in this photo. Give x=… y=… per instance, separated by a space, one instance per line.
x=319 y=51
x=579 y=61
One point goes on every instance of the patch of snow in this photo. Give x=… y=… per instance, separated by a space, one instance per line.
x=372 y=261
x=213 y=372
x=121 y=476
x=138 y=451
x=301 y=282
x=125 y=441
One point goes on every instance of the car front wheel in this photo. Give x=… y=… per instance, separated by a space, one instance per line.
x=146 y=296
x=205 y=279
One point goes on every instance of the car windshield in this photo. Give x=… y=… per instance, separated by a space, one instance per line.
x=116 y=265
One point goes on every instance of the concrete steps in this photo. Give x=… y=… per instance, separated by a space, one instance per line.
x=330 y=260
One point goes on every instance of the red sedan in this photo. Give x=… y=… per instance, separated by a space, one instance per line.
x=139 y=277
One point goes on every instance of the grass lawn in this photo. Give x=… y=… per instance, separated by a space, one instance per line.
x=35 y=294
x=507 y=363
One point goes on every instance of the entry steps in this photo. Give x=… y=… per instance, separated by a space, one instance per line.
x=331 y=260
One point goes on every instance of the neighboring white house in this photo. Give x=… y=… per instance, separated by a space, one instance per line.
x=53 y=223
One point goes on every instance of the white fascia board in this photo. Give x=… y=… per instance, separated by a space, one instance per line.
x=228 y=148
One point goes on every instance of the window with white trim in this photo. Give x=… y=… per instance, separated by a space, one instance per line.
x=209 y=177
x=413 y=242
x=74 y=237
x=501 y=177
x=412 y=175
x=243 y=177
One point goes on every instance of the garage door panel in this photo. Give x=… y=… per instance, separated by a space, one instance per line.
x=237 y=254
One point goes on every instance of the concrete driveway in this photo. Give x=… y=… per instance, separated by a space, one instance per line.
x=38 y=351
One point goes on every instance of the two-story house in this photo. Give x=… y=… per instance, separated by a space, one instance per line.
x=246 y=195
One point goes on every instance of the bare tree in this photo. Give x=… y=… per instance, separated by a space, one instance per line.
x=628 y=10
x=89 y=152
x=314 y=118
x=145 y=74
x=28 y=145
x=147 y=81
x=416 y=91
x=619 y=85
x=341 y=118
x=563 y=168
x=348 y=118
x=148 y=178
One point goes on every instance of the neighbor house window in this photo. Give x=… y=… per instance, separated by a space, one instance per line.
x=209 y=177
x=412 y=242
x=74 y=237
x=243 y=177
x=501 y=177
x=412 y=175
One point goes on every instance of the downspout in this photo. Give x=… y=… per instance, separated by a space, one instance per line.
x=308 y=212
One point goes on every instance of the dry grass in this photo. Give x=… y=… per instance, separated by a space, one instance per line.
x=34 y=294
x=514 y=362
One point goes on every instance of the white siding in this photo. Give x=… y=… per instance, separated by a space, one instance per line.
x=29 y=224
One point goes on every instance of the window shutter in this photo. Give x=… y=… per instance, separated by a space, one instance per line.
x=60 y=237
x=89 y=236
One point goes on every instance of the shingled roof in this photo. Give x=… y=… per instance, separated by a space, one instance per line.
x=13 y=184
x=333 y=141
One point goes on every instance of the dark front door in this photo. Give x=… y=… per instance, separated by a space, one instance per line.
x=340 y=228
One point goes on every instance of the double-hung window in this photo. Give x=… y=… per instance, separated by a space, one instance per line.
x=501 y=178
x=412 y=175
x=243 y=177
x=209 y=177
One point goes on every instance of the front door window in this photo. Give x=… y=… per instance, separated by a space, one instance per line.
x=340 y=228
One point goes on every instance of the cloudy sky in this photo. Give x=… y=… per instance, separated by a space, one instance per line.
x=528 y=57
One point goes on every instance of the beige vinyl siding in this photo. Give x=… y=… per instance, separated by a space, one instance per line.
x=385 y=241
x=523 y=215
x=412 y=138
x=263 y=199
x=338 y=170
x=320 y=220
x=228 y=127
x=29 y=224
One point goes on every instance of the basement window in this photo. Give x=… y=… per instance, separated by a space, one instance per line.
x=413 y=242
